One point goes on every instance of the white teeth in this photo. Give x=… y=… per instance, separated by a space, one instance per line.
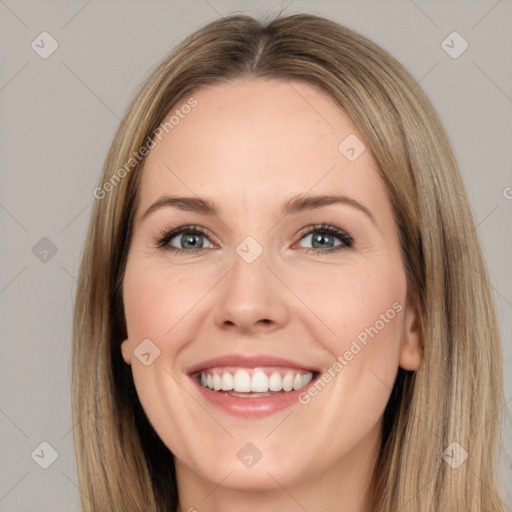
x=259 y=382
x=306 y=379
x=254 y=381
x=297 y=382
x=227 y=381
x=242 y=382
x=217 y=383
x=288 y=382
x=275 y=383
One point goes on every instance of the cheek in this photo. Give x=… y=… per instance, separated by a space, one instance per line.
x=156 y=300
x=362 y=313
x=357 y=303
x=156 y=303
x=365 y=312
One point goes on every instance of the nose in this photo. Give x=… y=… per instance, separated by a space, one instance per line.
x=251 y=298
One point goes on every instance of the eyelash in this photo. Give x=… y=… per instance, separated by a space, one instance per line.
x=343 y=235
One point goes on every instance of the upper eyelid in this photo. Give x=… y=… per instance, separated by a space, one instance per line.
x=169 y=234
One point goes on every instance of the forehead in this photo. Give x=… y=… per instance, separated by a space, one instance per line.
x=259 y=141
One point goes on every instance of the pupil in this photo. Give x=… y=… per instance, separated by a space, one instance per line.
x=188 y=241
x=321 y=239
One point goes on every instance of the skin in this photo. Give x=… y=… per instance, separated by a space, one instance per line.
x=249 y=146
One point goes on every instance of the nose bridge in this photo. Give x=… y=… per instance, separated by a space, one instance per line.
x=251 y=295
x=250 y=265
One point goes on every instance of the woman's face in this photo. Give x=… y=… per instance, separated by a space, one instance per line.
x=279 y=286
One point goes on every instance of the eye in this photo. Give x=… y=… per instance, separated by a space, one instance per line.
x=183 y=239
x=325 y=239
x=191 y=239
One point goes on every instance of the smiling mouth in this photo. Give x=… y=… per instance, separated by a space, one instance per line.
x=254 y=382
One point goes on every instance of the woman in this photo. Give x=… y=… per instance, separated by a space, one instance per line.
x=220 y=363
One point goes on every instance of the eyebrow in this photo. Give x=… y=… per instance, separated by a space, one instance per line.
x=296 y=204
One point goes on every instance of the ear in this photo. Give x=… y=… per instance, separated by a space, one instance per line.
x=411 y=351
x=125 y=351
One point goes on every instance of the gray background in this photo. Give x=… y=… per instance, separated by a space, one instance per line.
x=59 y=116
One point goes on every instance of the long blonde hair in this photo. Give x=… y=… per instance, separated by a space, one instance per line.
x=456 y=393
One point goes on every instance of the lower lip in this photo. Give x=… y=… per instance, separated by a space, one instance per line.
x=251 y=407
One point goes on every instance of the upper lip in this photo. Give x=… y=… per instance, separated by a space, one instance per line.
x=248 y=361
